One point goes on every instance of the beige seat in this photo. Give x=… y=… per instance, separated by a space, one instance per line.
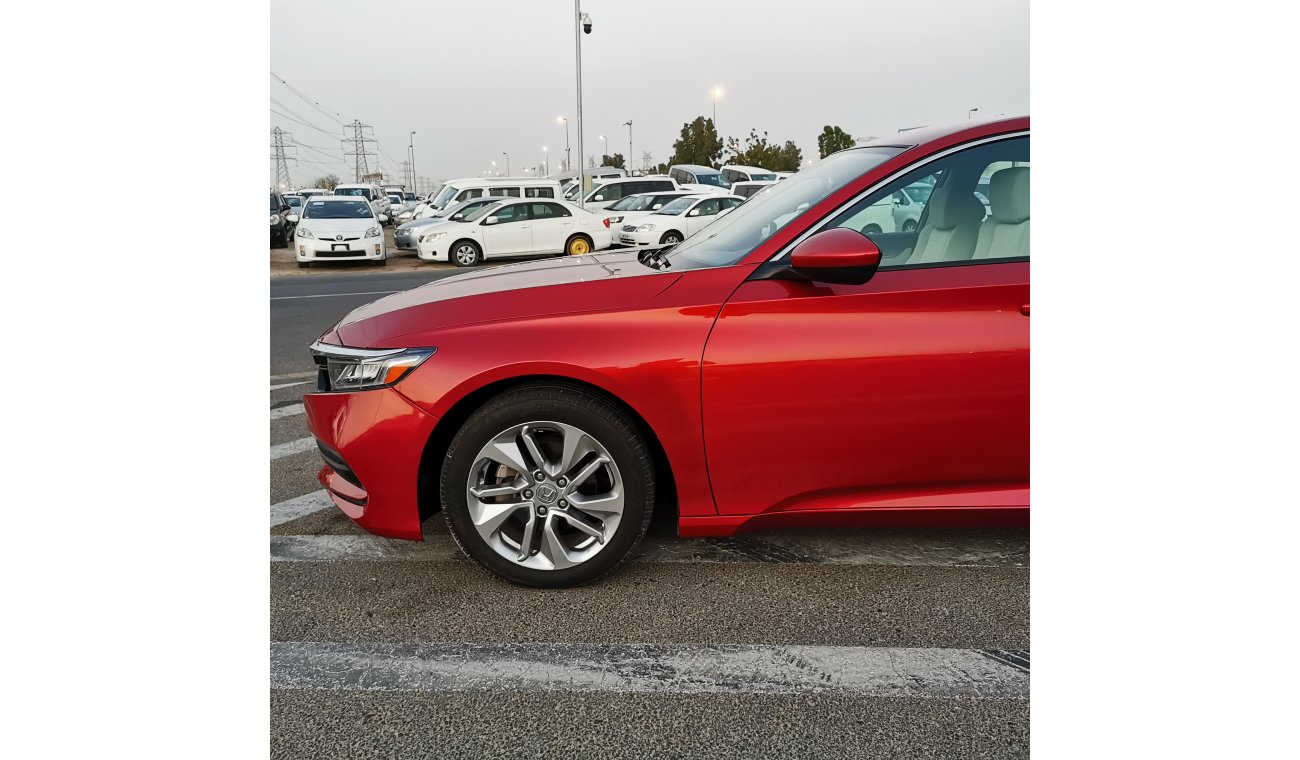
x=951 y=228
x=1005 y=234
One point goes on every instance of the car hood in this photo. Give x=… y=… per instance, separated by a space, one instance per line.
x=420 y=223
x=568 y=284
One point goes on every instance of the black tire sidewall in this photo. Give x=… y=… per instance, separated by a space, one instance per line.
x=478 y=254
x=575 y=407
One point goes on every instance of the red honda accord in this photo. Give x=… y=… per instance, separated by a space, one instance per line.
x=849 y=347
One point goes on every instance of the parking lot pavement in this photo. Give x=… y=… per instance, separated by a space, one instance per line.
x=819 y=643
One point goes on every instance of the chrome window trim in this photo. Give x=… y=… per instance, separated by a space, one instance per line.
x=896 y=175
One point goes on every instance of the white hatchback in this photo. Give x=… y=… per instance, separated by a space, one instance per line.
x=677 y=221
x=339 y=228
x=529 y=227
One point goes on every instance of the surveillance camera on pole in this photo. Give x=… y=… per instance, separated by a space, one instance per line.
x=586 y=23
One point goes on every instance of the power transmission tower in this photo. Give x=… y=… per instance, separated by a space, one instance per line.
x=645 y=161
x=408 y=179
x=359 y=152
x=282 y=181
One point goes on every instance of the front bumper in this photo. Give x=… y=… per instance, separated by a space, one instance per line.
x=316 y=249
x=372 y=442
x=638 y=238
x=402 y=239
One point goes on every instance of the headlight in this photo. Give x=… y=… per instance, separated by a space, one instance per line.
x=645 y=228
x=292 y=217
x=432 y=236
x=275 y=218
x=358 y=369
x=374 y=232
x=303 y=232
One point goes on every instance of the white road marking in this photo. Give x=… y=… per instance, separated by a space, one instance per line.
x=860 y=548
x=294 y=376
x=336 y=295
x=647 y=668
x=286 y=411
x=292 y=509
x=281 y=450
x=287 y=385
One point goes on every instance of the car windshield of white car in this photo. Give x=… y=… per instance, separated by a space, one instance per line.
x=359 y=191
x=395 y=199
x=731 y=237
x=677 y=207
x=337 y=210
x=293 y=200
x=761 y=177
x=479 y=212
x=717 y=180
x=629 y=203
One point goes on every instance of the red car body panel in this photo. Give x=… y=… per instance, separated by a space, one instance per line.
x=777 y=403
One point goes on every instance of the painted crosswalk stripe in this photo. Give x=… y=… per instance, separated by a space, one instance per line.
x=860 y=549
x=282 y=450
x=286 y=411
x=647 y=668
x=300 y=506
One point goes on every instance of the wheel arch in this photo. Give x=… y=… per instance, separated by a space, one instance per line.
x=435 y=449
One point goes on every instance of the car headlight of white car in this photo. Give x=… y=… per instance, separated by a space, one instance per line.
x=645 y=228
x=432 y=236
x=374 y=232
x=303 y=232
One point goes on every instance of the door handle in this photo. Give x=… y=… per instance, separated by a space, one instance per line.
x=1025 y=310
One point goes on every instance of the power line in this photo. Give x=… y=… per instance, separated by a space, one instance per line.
x=305 y=124
x=313 y=103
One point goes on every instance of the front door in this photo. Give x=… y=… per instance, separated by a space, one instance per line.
x=511 y=235
x=910 y=390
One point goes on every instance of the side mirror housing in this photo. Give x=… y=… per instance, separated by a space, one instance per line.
x=491 y=220
x=456 y=216
x=693 y=212
x=599 y=198
x=841 y=255
x=656 y=207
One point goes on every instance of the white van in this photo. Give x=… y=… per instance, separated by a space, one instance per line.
x=469 y=188
x=737 y=173
x=595 y=175
x=377 y=197
x=605 y=195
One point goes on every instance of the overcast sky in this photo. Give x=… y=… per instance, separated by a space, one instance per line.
x=474 y=79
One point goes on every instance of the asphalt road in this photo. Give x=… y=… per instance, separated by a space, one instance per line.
x=789 y=644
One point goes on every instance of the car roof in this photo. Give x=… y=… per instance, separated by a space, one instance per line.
x=910 y=138
x=348 y=198
x=695 y=168
x=744 y=168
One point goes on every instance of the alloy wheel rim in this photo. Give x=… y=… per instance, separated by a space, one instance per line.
x=545 y=495
x=465 y=254
x=578 y=247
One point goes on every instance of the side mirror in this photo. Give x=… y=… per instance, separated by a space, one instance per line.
x=599 y=198
x=656 y=207
x=454 y=217
x=693 y=212
x=383 y=217
x=284 y=209
x=491 y=220
x=839 y=255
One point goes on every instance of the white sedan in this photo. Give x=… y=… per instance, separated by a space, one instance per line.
x=339 y=228
x=678 y=220
x=526 y=227
x=633 y=207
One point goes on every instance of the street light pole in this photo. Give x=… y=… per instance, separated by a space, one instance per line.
x=577 y=22
x=507 y=155
x=411 y=147
x=629 y=144
x=546 y=160
x=605 y=150
x=568 y=165
x=717 y=93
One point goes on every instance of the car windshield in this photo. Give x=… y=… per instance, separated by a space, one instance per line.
x=647 y=202
x=717 y=180
x=629 y=203
x=293 y=200
x=479 y=212
x=761 y=177
x=677 y=207
x=337 y=210
x=729 y=239
x=447 y=194
x=358 y=191
x=395 y=198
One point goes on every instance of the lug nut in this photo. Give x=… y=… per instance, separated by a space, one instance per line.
x=541 y=510
x=539 y=475
x=564 y=504
x=528 y=493
x=562 y=482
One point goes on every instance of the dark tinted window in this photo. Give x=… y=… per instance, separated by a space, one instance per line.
x=513 y=213
x=710 y=207
x=539 y=192
x=547 y=210
x=512 y=192
x=363 y=192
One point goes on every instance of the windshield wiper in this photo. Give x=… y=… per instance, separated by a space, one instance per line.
x=654 y=257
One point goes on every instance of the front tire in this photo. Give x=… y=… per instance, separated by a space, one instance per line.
x=466 y=253
x=909 y=225
x=672 y=237
x=548 y=486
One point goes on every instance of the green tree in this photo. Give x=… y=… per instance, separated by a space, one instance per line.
x=614 y=160
x=833 y=139
x=328 y=182
x=698 y=144
x=759 y=151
